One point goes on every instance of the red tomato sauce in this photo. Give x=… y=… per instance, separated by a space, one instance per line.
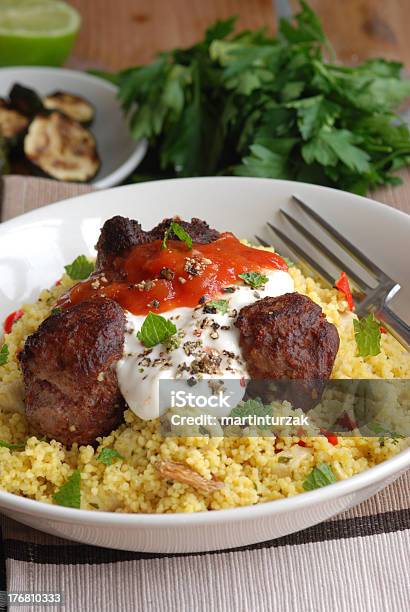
x=180 y=276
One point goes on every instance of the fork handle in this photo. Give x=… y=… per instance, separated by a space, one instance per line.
x=396 y=326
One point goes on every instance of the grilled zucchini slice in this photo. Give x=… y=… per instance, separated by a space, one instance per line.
x=61 y=148
x=25 y=100
x=12 y=124
x=75 y=107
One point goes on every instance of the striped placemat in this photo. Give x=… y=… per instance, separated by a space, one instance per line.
x=358 y=560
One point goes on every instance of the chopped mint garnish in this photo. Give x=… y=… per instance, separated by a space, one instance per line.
x=4 y=444
x=80 y=269
x=320 y=476
x=219 y=305
x=155 y=329
x=179 y=231
x=4 y=354
x=69 y=495
x=254 y=279
x=108 y=455
x=367 y=335
x=252 y=408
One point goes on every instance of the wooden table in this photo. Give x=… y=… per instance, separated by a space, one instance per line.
x=121 y=33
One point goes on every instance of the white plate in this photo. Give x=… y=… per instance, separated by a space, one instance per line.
x=33 y=250
x=119 y=153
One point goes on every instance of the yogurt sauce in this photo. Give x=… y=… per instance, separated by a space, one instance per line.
x=208 y=346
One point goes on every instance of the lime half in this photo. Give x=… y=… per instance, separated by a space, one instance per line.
x=36 y=32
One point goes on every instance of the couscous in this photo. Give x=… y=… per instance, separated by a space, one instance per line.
x=248 y=470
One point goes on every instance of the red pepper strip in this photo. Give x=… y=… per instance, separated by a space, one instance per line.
x=301 y=432
x=383 y=330
x=343 y=285
x=11 y=319
x=331 y=439
x=347 y=422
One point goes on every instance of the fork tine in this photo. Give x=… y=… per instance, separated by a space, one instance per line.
x=262 y=241
x=323 y=248
x=353 y=251
x=303 y=256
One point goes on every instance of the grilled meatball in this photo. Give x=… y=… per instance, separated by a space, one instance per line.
x=288 y=337
x=72 y=392
x=120 y=234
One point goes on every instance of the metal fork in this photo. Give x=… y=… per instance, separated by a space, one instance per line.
x=367 y=299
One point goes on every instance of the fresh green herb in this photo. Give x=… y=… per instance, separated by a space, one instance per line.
x=80 y=269
x=219 y=305
x=321 y=476
x=69 y=495
x=283 y=459
x=382 y=432
x=251 y=104
x=367 y=335
x=108 y=455
x=4 y=354
x=179 y=232
x=56 y=311
x=254 y=279
x=252 y=408
x=4 y=444
x=289 y=262
x=155 y=329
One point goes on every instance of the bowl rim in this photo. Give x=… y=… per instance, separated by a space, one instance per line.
x=114 y=178
x=388 y=468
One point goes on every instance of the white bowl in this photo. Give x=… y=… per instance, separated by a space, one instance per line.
x=120 y=154
x=33 y=251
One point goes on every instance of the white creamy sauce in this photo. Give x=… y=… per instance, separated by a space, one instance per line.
x=208 y=347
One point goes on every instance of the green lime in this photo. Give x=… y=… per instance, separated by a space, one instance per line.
x=36 y=32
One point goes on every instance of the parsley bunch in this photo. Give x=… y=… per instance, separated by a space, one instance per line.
x=254 y=105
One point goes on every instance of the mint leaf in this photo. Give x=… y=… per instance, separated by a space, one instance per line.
x=289 y=262
x=252 y=407
x=254 y=279
x=4 y=355
x=108 y=455
x=219 y=305
x=382 y=431
x=4 y=444
x=69 y=495
x=367 y=335
x=80 y=269
x=155 y=329
x=179 y=231
x=321 y=476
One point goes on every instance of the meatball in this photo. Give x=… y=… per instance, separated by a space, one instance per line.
x=120 y=234
x=288 y=337
x=72 y=392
